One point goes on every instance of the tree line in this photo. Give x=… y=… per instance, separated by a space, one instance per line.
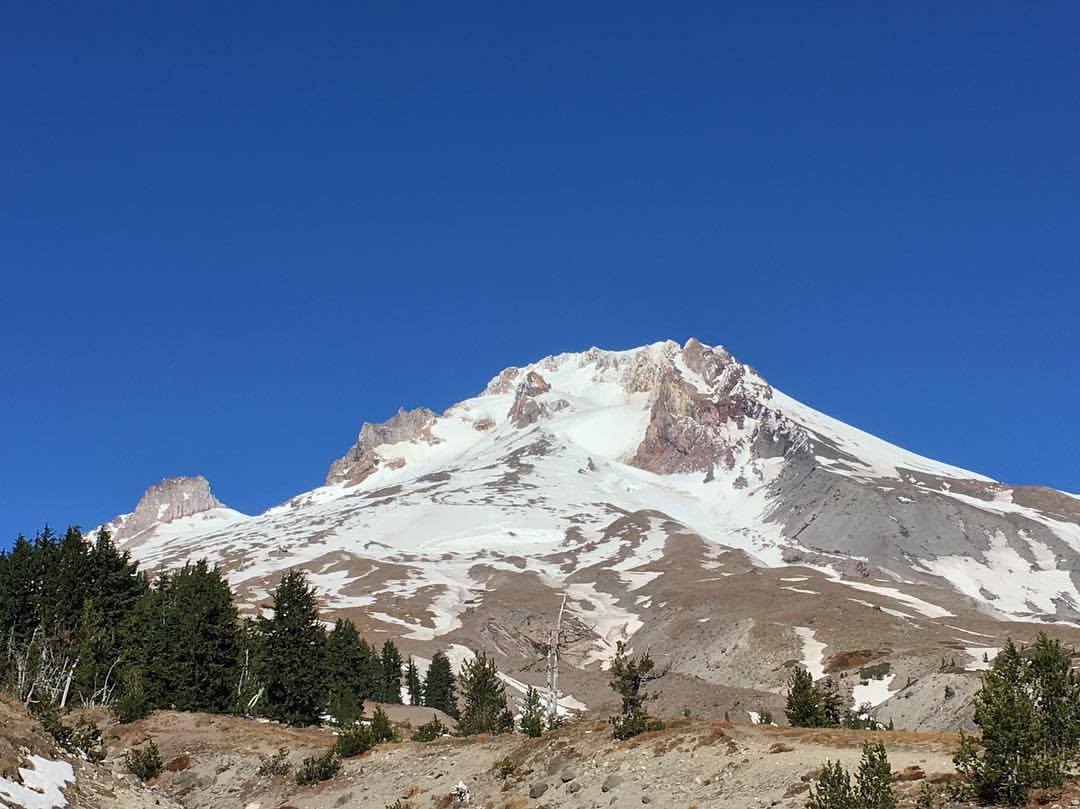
x=80 y=624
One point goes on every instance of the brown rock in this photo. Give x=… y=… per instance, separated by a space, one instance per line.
x=780 y=747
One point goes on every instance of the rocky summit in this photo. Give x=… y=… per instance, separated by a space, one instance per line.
x=680 y=503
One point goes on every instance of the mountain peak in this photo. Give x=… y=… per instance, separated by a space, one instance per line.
x=172 y=499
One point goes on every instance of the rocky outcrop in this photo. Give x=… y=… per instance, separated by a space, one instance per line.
x=526 y=409
x=695 y=430
x=172 y=499
x=361 y=460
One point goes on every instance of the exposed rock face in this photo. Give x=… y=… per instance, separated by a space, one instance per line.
x=361 y=459
x=525 y=410
x=693 y=430
x=169 y=500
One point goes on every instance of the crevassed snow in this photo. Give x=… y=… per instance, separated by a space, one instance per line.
x=41 y=786
x=813 y=651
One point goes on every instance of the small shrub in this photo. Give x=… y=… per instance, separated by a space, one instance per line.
x=277 y=764
x=929 y=797
x=764 y=717
x=143 y=763
x=86 y=741
x=318 y=768
x=133 y=703
x=430 y=731
x=354 y=741
x=381 y=729
x=505 y=768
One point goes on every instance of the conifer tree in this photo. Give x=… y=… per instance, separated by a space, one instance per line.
x=1055 y=691
x=294 y=648
x=413 y=684
x=348 y=671
x=628 y=678
x=1012 y=760
x=874 y=779
x=440 y=687
x=532 y=714
x=483 y=698
x=391 y=673
x=805 y=707
x=833 y=789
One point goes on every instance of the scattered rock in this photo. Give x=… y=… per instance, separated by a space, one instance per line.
x=537 y=789
x=780 y=747
x=611 y=782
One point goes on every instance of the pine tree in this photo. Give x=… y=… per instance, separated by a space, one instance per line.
x=413 y=685
x=440 y=687
x=348 y=672
x=391 y=673
x=874 y=778
x=484 y=698
x=1012 y=760
x=833 y=789
x=532 y=714
x=294 y=648
x=805 y=707
x=184 y=636
x=628 y=678
x=204 y=639
x=1055 y=691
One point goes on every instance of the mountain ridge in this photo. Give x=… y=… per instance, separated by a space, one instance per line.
x=649 y=485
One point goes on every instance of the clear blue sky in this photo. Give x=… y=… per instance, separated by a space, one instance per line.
x=231 y=232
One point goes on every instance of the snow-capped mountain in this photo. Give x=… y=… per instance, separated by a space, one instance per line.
x=665 y=490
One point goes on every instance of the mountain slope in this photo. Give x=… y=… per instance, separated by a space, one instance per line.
x=665 y=489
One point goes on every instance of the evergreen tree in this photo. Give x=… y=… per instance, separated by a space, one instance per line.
x=440 y=687
x=293 y=654
x=805 y=707
x=184 y=636
x=484 y=698
x=874 y=778
x=628 y=678
x=391 y=673
x=1055 y=691
x=413 y=685
x=833 y=789
x=348 y=670
x=532 y=714
x=1012 y=760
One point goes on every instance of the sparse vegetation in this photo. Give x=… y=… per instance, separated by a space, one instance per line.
x=381 y=728
x=145 y=762
x=275 y=765
x=430 y=731
x=318 y=768
x=354 y=740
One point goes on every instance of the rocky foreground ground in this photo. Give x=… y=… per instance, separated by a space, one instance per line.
x=213 y=762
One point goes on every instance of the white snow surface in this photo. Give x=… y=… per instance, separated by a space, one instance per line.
x=42 y=785
x=813 y=652
x=873 y=691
